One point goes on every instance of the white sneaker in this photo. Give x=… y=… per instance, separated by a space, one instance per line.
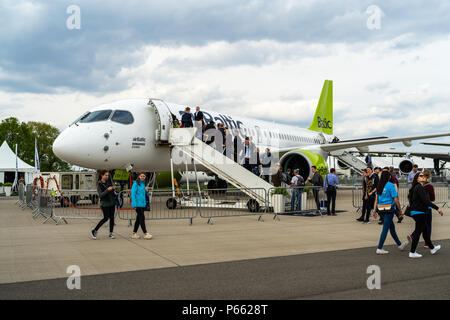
x=403 y=246
x=148 y=236
x=135 y=236
x=436 y=248
x=381 y=251
x=415 y=255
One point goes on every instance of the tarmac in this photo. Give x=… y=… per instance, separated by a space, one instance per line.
x=236 y=258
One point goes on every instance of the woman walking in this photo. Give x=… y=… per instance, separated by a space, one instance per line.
x=419 y=202
x=430 y=189
x=138 y=194
x=105 y=191
x=386 y=198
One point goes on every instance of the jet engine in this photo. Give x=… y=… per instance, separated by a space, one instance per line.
x=406 y=166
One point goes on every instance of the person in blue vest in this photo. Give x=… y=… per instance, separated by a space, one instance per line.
x=385 y=200
x=138 y=201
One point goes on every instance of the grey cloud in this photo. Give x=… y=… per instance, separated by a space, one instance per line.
x=41 y=55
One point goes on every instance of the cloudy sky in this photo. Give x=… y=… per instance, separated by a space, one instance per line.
x=252 y=58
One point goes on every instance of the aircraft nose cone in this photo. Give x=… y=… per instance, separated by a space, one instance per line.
x=60 y=148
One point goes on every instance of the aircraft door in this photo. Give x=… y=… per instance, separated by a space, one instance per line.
x=164 y=120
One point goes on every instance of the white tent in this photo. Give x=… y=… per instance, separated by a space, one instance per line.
x=8 y=164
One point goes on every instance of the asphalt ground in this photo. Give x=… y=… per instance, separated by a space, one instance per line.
x=340 y=274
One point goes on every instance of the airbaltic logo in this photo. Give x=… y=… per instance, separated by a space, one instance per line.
x=323 y=123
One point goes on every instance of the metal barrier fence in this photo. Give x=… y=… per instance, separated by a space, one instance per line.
x=215 y=203
x=441 y=191
x=21 y=195
x=306 y=200
x=357 y=197
x=163 y=205
x=45 y=205
x=31 y=197
x=77 y=204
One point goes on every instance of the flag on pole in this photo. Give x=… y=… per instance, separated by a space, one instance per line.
x=16 y=177
x=37 y=165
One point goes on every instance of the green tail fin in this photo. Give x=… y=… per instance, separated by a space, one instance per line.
x=323 y=119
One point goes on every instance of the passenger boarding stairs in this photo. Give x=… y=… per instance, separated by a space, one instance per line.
x=350 y=160
x=184 y=139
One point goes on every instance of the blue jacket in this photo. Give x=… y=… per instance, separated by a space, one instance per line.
x=138 y=194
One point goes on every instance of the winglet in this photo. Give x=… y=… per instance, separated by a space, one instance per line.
x=323 y=118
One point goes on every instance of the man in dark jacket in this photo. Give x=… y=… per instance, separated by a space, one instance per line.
x=237 y=146
x=186 y=118
x=317 y=181
x=199 y=122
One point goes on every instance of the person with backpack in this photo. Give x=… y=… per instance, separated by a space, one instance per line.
x=419 y=204
x=139 y=193
x=385 y=199
x=317 y=181
x=430 y=189
x=297 y=183
x=330 y=183
x=107 y=197
x=364 y=192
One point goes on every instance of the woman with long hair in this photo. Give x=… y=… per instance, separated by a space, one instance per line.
x=430 y=189
x=385 y=200
x=419 y=202
x=138 y=195
x=105 y=191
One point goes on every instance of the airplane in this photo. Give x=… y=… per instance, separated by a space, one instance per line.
x=406 y=164
x=133 y=134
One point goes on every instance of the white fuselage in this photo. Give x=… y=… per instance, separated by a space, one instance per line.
x=108 y=144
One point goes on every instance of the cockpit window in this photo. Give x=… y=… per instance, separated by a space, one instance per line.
x=122 y=116
x=80 y=117
x=95 y=116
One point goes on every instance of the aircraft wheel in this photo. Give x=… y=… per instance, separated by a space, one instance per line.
x=212 y=184
x=171 y=203
x=253 y=205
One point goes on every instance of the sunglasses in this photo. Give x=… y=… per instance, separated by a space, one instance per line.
x=421 y=176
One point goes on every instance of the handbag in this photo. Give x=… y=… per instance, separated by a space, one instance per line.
x=147 y=203
x=384 y=207
x=329 y=188
x=408 y=211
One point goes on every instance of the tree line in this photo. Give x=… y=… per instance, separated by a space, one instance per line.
x=24 y=133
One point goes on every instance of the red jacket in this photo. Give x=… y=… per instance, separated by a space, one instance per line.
x=430 y=189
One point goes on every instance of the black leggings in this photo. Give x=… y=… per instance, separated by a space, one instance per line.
x=108 y=214
x=140 y=220
x=421 y=228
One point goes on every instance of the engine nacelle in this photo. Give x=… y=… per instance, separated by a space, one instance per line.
x=406 y=166
x=303 y=160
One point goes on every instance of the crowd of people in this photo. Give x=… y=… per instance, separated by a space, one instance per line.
x=380 y=196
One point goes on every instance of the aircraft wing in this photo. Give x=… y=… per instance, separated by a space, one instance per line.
x=436 y=144
x=364 y=143
x=444 y=156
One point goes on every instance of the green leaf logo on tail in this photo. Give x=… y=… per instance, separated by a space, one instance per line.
x=323 y=118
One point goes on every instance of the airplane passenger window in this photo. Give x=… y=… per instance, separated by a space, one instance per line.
x=95 y=116
x=122 y=116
